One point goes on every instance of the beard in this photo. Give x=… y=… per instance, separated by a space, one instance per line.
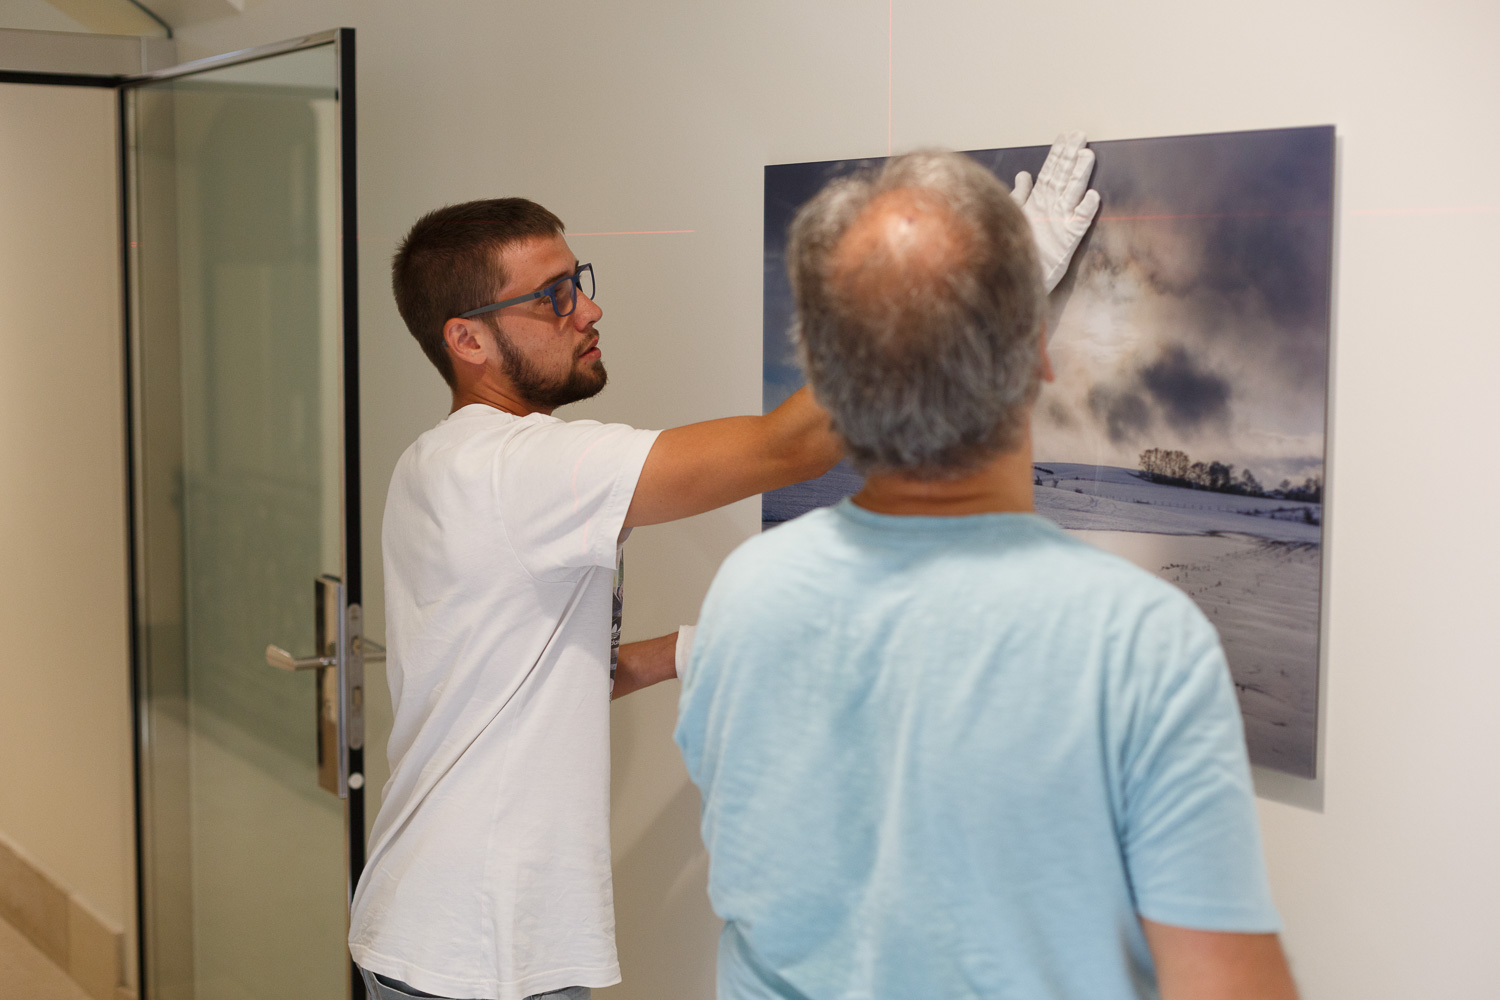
x=542 y=390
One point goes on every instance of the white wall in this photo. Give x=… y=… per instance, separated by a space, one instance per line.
x=105 y=17
x=1390 y=883
x=36 y=15
x=65 y=734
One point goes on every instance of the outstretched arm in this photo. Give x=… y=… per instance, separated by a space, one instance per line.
x=1211 y=965
x=698 y=467
x=1059 y=205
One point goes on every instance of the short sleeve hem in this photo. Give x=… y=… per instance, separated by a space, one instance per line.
x=1208 y=917
x=564 y=490
x=612 y=517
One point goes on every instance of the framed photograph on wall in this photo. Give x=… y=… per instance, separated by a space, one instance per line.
x=1186 y=427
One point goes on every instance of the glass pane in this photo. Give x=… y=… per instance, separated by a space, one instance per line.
x=236 y=305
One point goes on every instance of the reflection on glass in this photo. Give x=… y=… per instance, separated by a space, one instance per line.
x=236 y=271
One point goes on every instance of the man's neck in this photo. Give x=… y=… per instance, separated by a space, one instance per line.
x=500 y=397
x=1000 y=486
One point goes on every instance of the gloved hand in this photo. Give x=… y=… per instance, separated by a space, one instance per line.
x=1057 y=207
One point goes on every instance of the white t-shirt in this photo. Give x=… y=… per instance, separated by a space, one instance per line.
x=489 y=866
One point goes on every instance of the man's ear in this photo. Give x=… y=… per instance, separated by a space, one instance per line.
x=1046 y=366
x=465 y=341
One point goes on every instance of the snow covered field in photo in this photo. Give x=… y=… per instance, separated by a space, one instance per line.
x=1106 y=498
x=1252 y=564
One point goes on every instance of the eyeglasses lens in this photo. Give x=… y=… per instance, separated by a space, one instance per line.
x=564 y=294
x=563 y=297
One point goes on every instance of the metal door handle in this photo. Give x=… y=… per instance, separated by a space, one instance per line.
x=282 y=660
x=338 y=631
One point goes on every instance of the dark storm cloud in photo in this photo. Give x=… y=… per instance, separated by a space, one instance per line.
x=1125 y=415
x=1257 y=205
x=1197 y=315
x=1189 y=396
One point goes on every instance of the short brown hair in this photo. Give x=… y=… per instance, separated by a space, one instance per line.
x=449 y=263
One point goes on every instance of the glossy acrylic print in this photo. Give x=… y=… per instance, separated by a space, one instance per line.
x=1185 y=430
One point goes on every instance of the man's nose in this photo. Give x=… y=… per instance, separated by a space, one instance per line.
x=587 y=311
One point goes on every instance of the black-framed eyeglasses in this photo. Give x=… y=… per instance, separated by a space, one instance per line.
x=563 y=293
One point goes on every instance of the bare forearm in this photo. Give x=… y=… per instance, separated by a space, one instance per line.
x=1205 y=965
x=702 y=466
x=644 y=663
x=792 y=443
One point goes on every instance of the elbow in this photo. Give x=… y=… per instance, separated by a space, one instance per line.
x=813 y=461
x=825 y=457
x=821 y=450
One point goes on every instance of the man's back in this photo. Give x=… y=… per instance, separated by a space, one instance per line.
x=489 y=868
x=958 y=756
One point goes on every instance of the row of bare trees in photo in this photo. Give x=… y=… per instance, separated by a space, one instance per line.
x=1176 y=468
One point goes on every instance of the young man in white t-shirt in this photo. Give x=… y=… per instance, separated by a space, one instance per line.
x=489 y=867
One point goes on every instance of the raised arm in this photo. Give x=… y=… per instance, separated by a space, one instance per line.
x=1211 y=965
x=699 y=467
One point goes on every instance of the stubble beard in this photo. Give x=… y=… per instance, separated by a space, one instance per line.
x=542 y=390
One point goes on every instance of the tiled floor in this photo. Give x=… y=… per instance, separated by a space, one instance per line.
x=26 y=973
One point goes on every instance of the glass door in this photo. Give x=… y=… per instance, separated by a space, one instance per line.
x=239 y=198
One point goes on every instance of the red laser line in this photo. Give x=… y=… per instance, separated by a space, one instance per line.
x=638 y=232
x=1447 y=210
x=1307 y=213
x=1315 y=212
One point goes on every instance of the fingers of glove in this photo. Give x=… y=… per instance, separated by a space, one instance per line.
x=1046 y=178
x=1022 y=189
x=1078 y=180
x=1062 y=159
x=1083 y=215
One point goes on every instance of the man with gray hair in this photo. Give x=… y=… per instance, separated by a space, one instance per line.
x=945 y=749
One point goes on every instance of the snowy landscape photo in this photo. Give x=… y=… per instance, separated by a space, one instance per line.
x=1185 y=429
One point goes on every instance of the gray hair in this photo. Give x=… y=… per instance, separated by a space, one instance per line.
x=919 y=306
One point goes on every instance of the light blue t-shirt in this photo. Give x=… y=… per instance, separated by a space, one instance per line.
x=960 y=757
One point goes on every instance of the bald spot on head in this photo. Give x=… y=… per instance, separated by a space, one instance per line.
x=902 y=241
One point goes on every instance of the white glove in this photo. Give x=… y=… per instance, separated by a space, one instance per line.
x=1057 y=207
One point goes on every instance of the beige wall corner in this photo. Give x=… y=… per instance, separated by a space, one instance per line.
x=33 y=904
x=77 y=940
x=96 y=952
x=67 y=813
